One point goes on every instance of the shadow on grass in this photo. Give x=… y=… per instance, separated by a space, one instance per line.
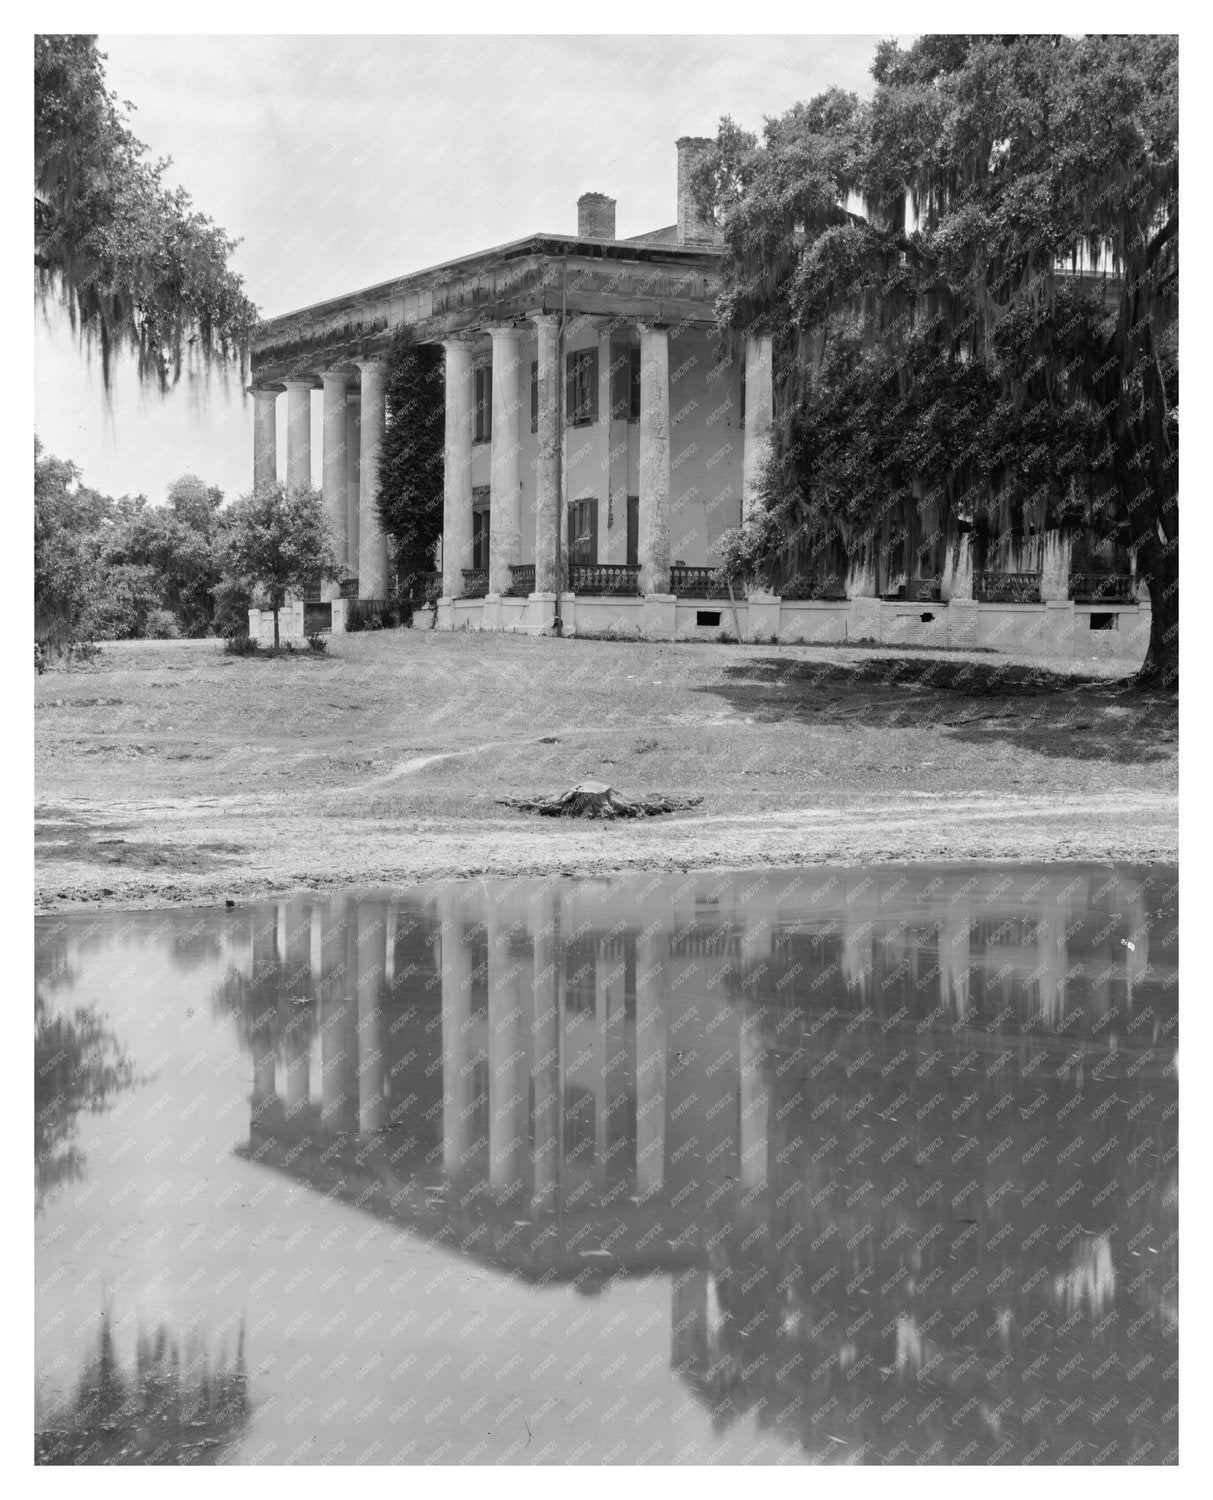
x=1067 y=715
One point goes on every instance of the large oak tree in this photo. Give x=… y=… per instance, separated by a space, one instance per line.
x=915 y=255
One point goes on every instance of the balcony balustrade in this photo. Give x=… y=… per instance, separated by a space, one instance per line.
x=700 y=583
x=475 y=583
x=603 y=578
x=1006 y=588
x=522 y=580
x=1102 y=588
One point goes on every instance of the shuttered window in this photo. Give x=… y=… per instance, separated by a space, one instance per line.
x=583 y=531
x=482 y=429
x=625 y=383
x=581 y=387
x=534 y=395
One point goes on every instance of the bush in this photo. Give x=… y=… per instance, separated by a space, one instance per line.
x=371 y=614
x=162 y=626
x=318 y=643
x=241 y=645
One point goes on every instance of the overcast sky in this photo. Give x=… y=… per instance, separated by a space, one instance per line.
x=343 y=161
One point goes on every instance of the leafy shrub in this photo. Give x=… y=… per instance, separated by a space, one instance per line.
x=318 y=643
x=241 y=645
x=371 y=614
x=162 y=626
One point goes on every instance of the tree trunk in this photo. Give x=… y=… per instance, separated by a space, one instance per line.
x=275 y=627
x=1159 y=561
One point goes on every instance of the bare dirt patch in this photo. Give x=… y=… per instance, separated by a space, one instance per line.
x=386 y=761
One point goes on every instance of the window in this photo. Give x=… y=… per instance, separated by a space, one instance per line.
x=581 y=387
x=480 y=527
x=625 y=383
x=707 y=617
x=583 y=531
x=1097 y=621
x=633 y=531
x=483 y=416
x=534 y=395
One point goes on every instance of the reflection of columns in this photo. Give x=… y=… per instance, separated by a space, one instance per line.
x=353 y=471
x=650 y=1072
x=457 y=468
x=372 y=544
x=754 y=1107
x=296 y=1037
x=335 y=470
x=509 y=1066
x=954 y=949
x=505 y=464
x=759 y=416
x=457 y=1075
x=338 y=1104
x=371 y=1110
x=654 y=529
x=298 y=434
x=545 y=1049
x=547 y=457
x=265 y=438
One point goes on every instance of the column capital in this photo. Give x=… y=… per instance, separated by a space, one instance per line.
x=264 y=390
x=651 y=325
x=504 y=332
x=335 y=373
x=300 y=383
x=371 y=364
x=455 y=342
x=545 y=319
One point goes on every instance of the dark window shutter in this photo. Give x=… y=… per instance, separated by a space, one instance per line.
x=570 y=387
x=534 y=395
x=488 y=402
x=633 y=530
x=592 y=507
x=621 y=366
x=634 y=392
x=591 y=360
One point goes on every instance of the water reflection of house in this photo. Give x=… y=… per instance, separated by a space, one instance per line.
x=796 y=1106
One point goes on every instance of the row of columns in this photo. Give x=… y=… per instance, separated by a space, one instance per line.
x=353 y=427
x=505 y=488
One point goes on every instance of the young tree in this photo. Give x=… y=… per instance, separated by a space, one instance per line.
x=66 y=565
x=934 y=226
x=279 y=542
x=411 y=457
x=136 y=266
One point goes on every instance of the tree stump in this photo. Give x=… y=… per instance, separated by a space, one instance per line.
x=596 y=799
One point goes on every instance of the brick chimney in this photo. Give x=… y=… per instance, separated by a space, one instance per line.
x=595 y=217
x=693 y=226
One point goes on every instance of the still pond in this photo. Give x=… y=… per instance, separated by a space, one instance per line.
x=843 y=1166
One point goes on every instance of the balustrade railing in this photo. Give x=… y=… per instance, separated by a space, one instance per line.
x=475 y=583
x=800 y=587
x=349 y=588
x=522 y=579
x=701 y=583
x=1101 y=588
x=923 y=589
x=603 y=578
x=1006 y=588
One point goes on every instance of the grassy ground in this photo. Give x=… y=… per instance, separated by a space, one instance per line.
x=169 y=772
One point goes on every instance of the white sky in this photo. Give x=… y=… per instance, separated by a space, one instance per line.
x=343 y=161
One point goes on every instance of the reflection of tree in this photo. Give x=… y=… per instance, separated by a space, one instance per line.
x=78 y=1065
x=165 y=1410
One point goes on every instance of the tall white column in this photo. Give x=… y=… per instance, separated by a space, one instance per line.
x=505 y=463
x=759 y=416
x=654 y=530
x=372 y=544
x=298 y=434
x=372 y=1109
x=265 y=437
x=509 y=1064
x=457 y=468
x=650 y=1071
x=457 y=1056
x=547 y=459
x=353 y=471
x=755 y=1106
x=546 y=1017
x=336 y=465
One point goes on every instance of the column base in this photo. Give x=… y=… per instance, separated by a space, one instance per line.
x=446 y=614
x=962 y=622
x=659 y=616
x=762 y=615
x=490 y=614
x=863 y=619
x=539 y=617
